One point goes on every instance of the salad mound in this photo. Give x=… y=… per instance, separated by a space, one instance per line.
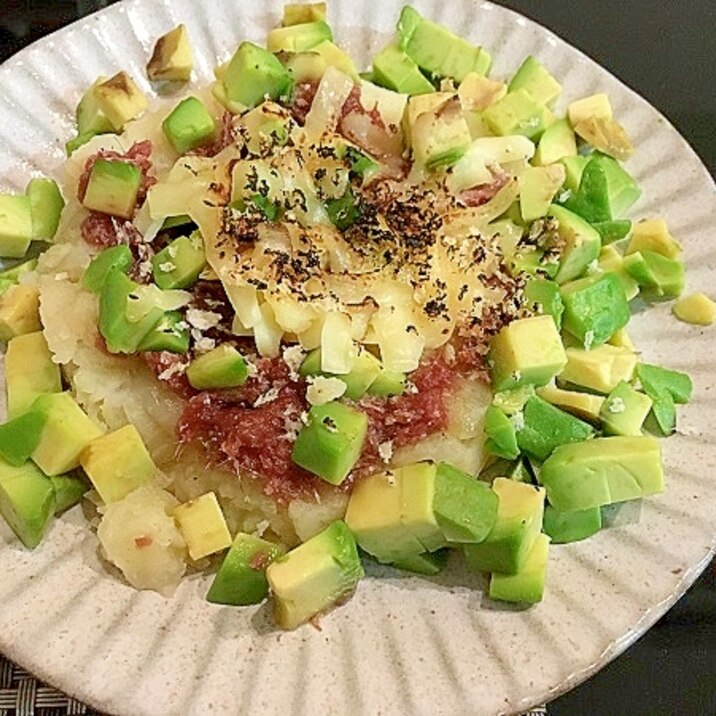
x=307 y=311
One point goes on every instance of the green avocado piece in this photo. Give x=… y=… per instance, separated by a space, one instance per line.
x=221 y=367
x=558 y=142
x=573 y=167
x=519 y=520
x=538 y=187
x=614 y=230
x=46 y=205
x=544 y=295
x=527 y=585
x=300 y=37
x=665 y=388
x=582 y=244
x=241 y=579
x=19 y=438
x=13 y=273
x=254 y=73
x=595 y=308
x=29 y=372
x=533 y=77
x=547 y=427
x=16 y=228
x=298 y=13
x=526 y=351
x=441 y=136
x=388 y=382
x=591 y=200
x=512 y=402
x=69 y=491
x=115 y=258
x=27 y=501
x=113 y=187
x=501 y=435
x=625 y=410
x=180 y=264
x=464 y=508
x=189 y=125
x=72 y=145
x=120 y=334
x=66 y=432
x=91 y=120
x=170 y=334
x=393 y=68
x=531 y=261
x=173 y=221
x=315 y=576
x=517 y=113
x=564 y=527
x=366 y=368
x=602 y=471
x=623 y=191
x=427 y=563
x=331 y=443
x=437 y=50
x=657 y=275
x=343 y=211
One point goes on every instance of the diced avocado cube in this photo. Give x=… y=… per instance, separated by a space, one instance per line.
x=621 y=339
x=465 y=508
x=46 y=205
x=440 y=137
x=600 y=369
x=614 y=230
x=625 y=410
x=610 y=260
x=426 y=563
x=188 y=125
x=564 y=527
x=298 y=38
x=115 y=258
x=391 y=513
x=343 y=211
x=15 y=225
x=519 y=520
x=501 y=435
x=582 y=244
x=254 y=73
x=170 y=334
x=393 y=68
x=512 y=402
x=388 y=382
x=606 y=135
x=112 y=188
x=584 y=405
x=538 y=186
x=66 y=432
x=27 y=500
x=623 y=190
x=180 y=264
x=665 y=388
x=91 y=120
x=117 y=463
x=120 y=334
x=241 y=579
x=69 y=491
x=596 y=105
x=298 y=13
x=315 y=576
x=595 y=308
x=574 y=168
x=19 y=437
x=545 y=297
x=517 y=113
x=29 y=372
x=334 y=56
x=17 y=270
x=222 y=367
x=653 y=235
x=546 y=427
x=535 y=78
x=658 y=276
x=532 y=261
x=527 y=585
x=697 y=309
x=72 y=145
x=526 y=351
x=172 y=58
x=602 y=471
x=437 y=50
x=591 y=200
x=331 y=443
x=557 y=142
x=120 y=100
x=305 y=66
x=203 y=526
x=366 y=368
x=19 y=311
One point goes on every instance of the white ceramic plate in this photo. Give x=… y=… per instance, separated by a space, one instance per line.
x=403 y=645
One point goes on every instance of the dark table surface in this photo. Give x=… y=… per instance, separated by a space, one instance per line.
x=666 y=51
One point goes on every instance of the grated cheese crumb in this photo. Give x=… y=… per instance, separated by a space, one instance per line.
x=202 y=320
x=385 y=450
x=172 y=370
x=62 y=276
x=616 y=405
x=261 y=528
x=518 y=421
x=588 y=340
x=172 y=251
x=322 y=390
x=204 y=344
x=167 y=266
x=593 y=267
x=268 y=397
x=293 y=357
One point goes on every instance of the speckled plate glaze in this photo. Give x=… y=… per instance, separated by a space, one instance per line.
x=403 y=645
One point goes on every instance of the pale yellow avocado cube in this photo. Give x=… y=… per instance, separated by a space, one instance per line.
x=622 y=339
x=697 y=308
x=653 y=235
x=477 y=92
x=606 y=135
x=298 y=13
x=120 y=100
x=600 y=369
x=596 y=105
x=203 y=526
x=19 y=311
x=538 y=186
x=29 y=372
x=15 y=225
x=66 y=432
x=118 y=463
x=172 y=58
x=611 y=260
x=583 y=405
x=526 y=351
